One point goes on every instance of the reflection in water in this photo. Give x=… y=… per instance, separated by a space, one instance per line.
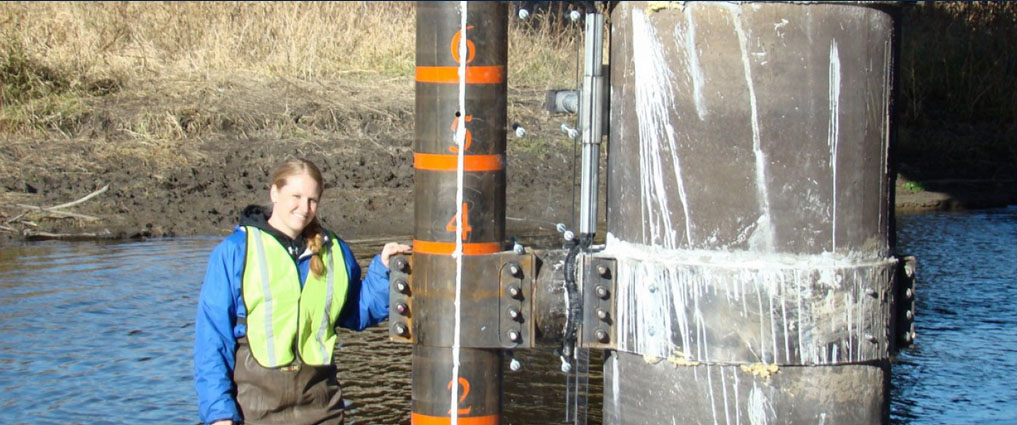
x=101 y=333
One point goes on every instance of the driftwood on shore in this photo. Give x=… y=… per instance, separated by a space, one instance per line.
x=33 y=235
x=56 y=210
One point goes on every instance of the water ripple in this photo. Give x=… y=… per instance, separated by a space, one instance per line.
x=101 y=333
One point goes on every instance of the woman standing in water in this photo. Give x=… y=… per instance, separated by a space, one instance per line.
x=274 y=292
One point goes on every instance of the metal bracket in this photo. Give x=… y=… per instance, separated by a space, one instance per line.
x=515 y=328
x=400 y=299
x=904 y=304
x=599 y=300
x=495 y=312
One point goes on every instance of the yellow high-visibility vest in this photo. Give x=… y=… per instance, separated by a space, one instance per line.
x=281 y=315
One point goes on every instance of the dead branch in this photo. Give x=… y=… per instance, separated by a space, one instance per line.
x=55 y=209
x=33 y=235
x=87 y=197
x=61 y=213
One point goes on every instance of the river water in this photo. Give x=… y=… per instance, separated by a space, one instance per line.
x=102 y=333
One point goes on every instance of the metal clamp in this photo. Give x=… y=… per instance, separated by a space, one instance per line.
x=400 y=299
x=599 y=303
x=904 y=304
x=496 y=311
x=516 y=318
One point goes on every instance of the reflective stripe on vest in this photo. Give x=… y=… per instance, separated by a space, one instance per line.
x=280 y=314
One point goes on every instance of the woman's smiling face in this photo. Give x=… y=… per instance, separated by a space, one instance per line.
x=294 y=204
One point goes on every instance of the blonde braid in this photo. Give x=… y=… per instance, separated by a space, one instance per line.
x=315 y=241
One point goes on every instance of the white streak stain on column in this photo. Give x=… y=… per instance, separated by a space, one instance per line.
x=833 y=133
x=616 y=388
x=709 y=384
x=654 y=104
x=723 y=386
x=885 y=131
x=762 y=323
x=763 y=237
x=738 y=407
x=784 y=322
x=686 y=40
x=803 y=309
x=759 y=407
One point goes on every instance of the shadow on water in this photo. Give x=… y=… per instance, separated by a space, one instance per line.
x=101 y=333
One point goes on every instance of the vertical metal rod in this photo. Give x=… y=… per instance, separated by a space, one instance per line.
x=590 y=121
x=442 y=221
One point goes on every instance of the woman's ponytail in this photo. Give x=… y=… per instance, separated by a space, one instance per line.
x=315 y=241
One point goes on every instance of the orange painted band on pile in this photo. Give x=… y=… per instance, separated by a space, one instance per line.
x=447 y=248
x=442 y=162
x=450 y=74
x=419 y=419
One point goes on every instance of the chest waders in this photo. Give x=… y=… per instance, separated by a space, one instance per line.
x=284 y=370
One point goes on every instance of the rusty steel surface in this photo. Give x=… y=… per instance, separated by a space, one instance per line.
x=748 y=212
x=480 y=379
x=705 y=309
x=688 y=393
x=756 y=127
x=600 y=298
x=496 y=310
x=456 y=89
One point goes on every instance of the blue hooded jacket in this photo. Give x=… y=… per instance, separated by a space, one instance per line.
x=221 y=302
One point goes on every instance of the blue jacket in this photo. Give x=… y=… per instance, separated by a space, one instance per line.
x=221 y=302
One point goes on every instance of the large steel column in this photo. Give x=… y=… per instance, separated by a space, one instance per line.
x=439 y=111
x=748 y=213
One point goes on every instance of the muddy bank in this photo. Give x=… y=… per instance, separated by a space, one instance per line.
x=225 y=144
x=369 y=191
x=954 y=195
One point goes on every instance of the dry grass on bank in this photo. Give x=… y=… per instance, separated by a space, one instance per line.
x=145 y=71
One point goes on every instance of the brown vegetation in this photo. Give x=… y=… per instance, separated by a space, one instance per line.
x=168 y=95
x=165 y=100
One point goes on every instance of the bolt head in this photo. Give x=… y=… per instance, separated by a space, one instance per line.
x=400 y=329
x=402 y=286
x=402 y=308
x=514 y=269
x=515 y=365
x=401 y=264
x=515 y=291
x=603 y=271
x=601 y=314
x=514 y=335
x=601 y=335
x=909 y=293
x=602 y=292
x=514 y=313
